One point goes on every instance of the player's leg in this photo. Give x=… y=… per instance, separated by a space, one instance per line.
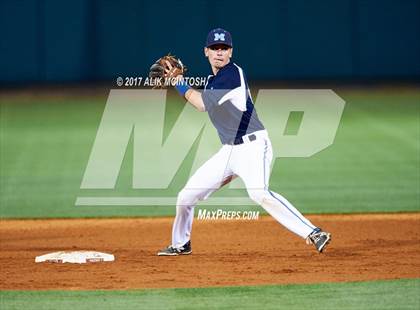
x=252 y=164
x=212 y=175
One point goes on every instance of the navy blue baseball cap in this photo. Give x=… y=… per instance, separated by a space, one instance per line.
x=219 y=36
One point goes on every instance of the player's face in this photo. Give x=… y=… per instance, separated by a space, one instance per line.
x=219 y=55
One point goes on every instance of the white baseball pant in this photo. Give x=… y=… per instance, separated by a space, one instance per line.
x=251 y=162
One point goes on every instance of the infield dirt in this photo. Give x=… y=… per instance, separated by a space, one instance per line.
x=225 y=253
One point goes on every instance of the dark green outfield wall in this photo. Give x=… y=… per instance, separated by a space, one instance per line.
x=89 y=40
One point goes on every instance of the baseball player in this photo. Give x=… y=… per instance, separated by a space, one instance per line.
x=246 y=150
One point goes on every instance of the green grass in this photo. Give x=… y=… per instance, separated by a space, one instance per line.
x=373 y=165
x=398 y=294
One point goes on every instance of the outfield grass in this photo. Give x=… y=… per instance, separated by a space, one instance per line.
x=397 y=294
x=373 y=165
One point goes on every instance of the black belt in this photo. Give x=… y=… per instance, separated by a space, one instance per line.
x=240 y=139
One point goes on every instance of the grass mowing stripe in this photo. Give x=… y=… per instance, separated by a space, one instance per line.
x=372 y=166
x=391 y=294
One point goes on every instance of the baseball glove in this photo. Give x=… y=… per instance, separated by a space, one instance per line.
x=167 y=67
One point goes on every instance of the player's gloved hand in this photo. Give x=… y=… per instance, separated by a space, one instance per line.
x=167 y=67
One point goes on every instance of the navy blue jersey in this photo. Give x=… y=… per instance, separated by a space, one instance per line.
x=228 y=101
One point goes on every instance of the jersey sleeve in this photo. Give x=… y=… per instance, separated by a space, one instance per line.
x=223 y=88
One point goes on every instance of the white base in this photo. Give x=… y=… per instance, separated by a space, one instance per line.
x=75 y=257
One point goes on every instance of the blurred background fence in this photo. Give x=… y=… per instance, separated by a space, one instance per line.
x=97 y=40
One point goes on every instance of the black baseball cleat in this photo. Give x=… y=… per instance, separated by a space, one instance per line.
x=172 y=251
x=319 y=238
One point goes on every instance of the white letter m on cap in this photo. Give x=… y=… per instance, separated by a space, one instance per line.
x=219 y=36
